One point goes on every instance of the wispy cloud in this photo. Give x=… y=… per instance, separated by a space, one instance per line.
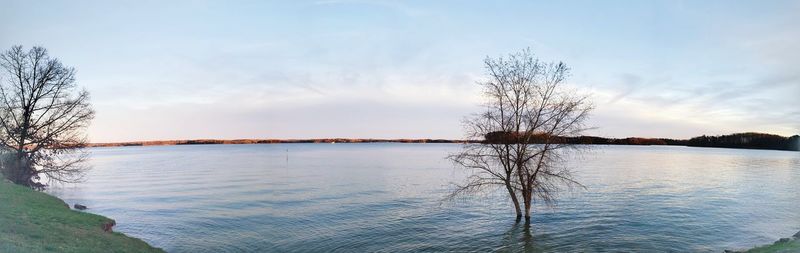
x=670 y=69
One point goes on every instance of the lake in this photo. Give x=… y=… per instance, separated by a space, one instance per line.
x=383 y=197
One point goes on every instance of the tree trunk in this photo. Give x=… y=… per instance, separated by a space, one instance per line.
x=22 y=171
x=514 y=200
x=528 y=198
x=527 y=212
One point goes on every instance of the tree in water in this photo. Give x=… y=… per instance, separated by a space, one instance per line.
x=42 y=119
x=516 y=143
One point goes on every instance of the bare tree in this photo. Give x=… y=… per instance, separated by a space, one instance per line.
x=517 y=143
x=42 y=118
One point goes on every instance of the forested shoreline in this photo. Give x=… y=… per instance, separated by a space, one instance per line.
x=738 y=140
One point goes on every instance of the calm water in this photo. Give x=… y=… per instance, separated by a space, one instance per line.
x=386 y=197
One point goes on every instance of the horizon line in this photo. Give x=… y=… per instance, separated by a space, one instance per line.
x=340 y=139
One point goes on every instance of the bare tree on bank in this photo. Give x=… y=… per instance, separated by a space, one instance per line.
x=516 y=143
x=42 y=118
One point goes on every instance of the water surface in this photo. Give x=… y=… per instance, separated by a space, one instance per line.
x=386 y=198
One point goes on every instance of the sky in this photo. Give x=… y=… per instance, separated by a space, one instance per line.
x=161 y=70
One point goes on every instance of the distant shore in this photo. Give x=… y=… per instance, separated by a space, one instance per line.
x=268 y=141
x=740 y=141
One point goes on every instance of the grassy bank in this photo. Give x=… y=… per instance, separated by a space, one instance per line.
x=32 y=221
x=790 y=246
x=784 y=245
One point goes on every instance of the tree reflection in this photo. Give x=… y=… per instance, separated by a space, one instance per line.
x=519 y=238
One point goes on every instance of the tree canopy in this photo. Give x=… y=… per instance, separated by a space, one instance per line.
x=43 y=116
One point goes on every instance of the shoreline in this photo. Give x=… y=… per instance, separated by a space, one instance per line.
x=748 y=140
x=33 y=221
x=348 y=140
x=783 y=245
x=266 y=141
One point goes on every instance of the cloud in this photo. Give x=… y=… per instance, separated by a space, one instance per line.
x=754 y=84
x=683 y=72
x=630 y=83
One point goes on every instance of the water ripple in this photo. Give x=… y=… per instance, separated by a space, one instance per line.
x=387 y=198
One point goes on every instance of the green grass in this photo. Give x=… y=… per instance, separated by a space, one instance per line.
x=778 y=247
x=32 y=221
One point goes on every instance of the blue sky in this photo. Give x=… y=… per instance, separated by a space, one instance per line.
x=407 y=69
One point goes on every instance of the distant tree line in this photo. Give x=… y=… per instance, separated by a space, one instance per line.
x=267 y=141
x=738 y=140
x=747 y=140
x=625 y=141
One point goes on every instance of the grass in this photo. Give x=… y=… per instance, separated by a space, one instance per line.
x=778 y=247
x=32 y=221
